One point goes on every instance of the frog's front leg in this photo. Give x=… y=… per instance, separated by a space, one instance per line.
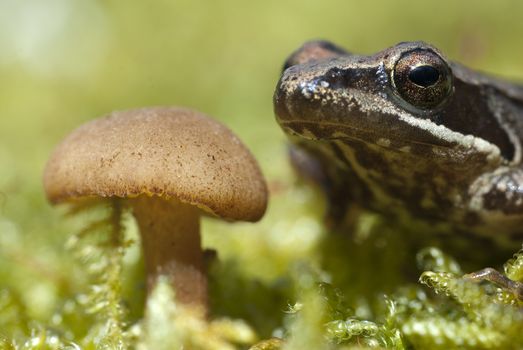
x=498 y=198
x=492 y=275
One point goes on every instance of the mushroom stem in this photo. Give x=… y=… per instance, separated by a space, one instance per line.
x=170 y=232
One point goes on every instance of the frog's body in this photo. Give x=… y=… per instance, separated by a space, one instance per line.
x=407 y=133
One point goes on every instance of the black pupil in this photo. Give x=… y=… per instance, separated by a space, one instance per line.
x=424 y=76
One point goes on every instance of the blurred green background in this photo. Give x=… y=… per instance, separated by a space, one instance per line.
x=64 y=62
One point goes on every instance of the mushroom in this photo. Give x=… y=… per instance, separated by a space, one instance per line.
x=169 y=164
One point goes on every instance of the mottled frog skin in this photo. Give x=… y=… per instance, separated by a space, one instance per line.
x=408 y=134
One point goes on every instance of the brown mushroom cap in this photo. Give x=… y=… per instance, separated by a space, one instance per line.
x=162 y=151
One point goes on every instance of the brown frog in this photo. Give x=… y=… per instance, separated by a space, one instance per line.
x=408 y=134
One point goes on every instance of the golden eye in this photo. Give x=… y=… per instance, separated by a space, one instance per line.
x=422 y=78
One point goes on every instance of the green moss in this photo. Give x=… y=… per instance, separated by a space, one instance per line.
x=514 y=267
x=283 y=283
x=352 y=293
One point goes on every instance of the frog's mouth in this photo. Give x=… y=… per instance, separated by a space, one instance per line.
x=329 y=131
x=325 y=131
x=405 y=134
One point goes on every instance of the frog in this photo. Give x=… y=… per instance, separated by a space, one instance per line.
x=410 y=135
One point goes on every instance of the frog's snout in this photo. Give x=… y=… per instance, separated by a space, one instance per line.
x=280 y=103
x=288 y=99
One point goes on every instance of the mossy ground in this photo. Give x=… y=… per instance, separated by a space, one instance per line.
x=65 y=62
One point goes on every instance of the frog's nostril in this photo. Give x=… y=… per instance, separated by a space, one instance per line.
x=337 y=77
x=334 y=74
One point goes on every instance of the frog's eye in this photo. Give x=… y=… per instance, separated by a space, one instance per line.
x=422 y=78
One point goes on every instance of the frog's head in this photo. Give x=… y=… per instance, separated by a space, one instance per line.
x=407 y=97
